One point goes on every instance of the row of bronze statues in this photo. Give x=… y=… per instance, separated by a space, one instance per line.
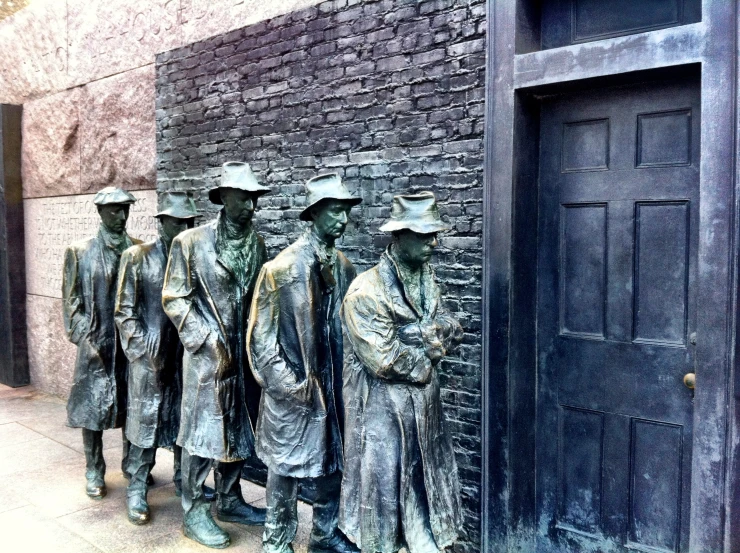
x=174 y=336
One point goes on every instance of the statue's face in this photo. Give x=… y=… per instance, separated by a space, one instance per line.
x=239 y=205
x=172 y=226
x=414 y=248
x=114 y=216
x=330 y=218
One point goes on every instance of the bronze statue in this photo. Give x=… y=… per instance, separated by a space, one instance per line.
x=295 y=349
x=97 y=400
x=400 y=486
x=207 y=292
x=150 y=342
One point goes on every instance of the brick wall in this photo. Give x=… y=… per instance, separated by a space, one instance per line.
x=390 y=94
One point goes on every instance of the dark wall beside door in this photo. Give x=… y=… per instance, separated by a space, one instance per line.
x=388 y=93
x=13 y=344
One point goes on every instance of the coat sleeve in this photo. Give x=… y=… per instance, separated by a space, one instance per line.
x=130 y=326
x=372 y=333
x=76 y=322
x=178 y=297
x=270 y=369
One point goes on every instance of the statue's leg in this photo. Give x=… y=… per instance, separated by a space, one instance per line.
x=208 y=492
x=230 y=506
x=92 y=440
x=125 y=448
x=140 y=464
x=282 y=513
x=326 y=507
x=325 y=536
x=198 y=524
x=177 y=469
x=125 y=459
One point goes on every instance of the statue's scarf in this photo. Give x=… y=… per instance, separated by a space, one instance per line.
x=327 y=256
x=236 y=248
x=411 y=279
x=114 y=244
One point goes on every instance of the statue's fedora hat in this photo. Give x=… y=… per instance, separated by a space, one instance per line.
x=239 y=175
x=177 y=204
x=415 y=212
x=112 y=195
x=326 y=187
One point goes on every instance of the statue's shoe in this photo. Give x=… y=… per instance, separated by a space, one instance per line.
x=209 y=494
x=338 y=543
x=138 y=510
x=96 y=488
x=199 y=526
x=235 y=509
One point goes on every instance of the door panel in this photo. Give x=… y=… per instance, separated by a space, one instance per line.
x=617 y=251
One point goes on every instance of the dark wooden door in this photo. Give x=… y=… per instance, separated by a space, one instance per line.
x=617 y=258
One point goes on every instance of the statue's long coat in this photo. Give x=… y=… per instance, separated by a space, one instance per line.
x=202 y=296
x=295 y=346
x=97 y=400
x=394 y=418
x=154 y=382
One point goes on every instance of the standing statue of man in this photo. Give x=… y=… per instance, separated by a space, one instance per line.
x=207 y=292
x=97 y=400
x=151 y=344
x=400 y=486
x=295 y=348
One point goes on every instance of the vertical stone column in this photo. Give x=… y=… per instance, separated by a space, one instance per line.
x=13 y=345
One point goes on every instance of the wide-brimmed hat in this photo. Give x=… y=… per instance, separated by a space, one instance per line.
x=112 y=195
x=177 y=204
x=239 y=175
x=326 y=187
x=415 y=212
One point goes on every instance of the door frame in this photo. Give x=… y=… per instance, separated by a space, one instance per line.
x=515 y=68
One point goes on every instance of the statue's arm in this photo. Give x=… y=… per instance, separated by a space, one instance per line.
x=76 y=322
x=374 y=337
x=130 y=326
x=266 y=359
x=178 y=297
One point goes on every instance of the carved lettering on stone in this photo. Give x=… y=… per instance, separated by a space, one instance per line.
x=54 y=223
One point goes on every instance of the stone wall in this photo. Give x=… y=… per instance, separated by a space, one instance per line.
x=390 y=94
x=84 y=72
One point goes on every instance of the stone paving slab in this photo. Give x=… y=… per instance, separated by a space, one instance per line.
x=44 y=508
x=13 y=433
x=26 y=529
x=9 y=499
x=24 y=458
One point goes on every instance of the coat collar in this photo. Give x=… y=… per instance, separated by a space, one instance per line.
x=161 y=245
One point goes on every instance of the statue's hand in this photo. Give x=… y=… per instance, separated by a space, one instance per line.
x=224 y=366
x=435 y=352
x=152 y=344
x=411 y=335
